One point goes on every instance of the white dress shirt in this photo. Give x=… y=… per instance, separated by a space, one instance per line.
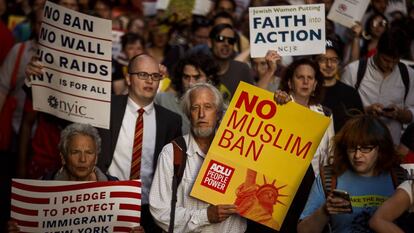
x=375 y=88
x=190 y=213
x=121 y=162
x=322 y=153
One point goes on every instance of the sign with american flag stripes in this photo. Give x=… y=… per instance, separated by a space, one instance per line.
x=76 y=207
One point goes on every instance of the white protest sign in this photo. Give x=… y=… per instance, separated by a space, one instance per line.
x=290 y=30
x=346 y=12
x=116 y=43
x=76 y=52
x=65 y=206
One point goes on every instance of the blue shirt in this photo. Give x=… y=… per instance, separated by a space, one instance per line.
x=367 y=194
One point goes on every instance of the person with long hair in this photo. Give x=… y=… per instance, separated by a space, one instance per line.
x=363 y=159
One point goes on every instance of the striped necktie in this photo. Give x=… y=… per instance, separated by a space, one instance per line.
x=137 y=149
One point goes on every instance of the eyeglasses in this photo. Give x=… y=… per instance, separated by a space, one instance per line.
x=362 y=149
x=230 y=40
x=145 y=76
x=333 y=60
x=377 y=23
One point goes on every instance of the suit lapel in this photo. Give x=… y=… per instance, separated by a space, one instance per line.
x=117 y=115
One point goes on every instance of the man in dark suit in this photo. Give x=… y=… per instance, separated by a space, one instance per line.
x=160 y=126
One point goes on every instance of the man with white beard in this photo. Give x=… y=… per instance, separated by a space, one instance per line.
x=203 y=104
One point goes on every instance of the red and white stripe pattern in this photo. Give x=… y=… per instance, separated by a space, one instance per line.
x=50 y=206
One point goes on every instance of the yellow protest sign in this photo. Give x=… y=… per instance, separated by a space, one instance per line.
x=14 y=20
x=259 y=155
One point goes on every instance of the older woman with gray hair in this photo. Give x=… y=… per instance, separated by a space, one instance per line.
x=79 y=147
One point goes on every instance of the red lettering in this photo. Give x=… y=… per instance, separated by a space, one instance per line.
x=269 y=134
x=225 y=139
x=244 y=97
x=239 y=144
x=249 y=105
x=277 y=139
x=236 y=124
x=299 y=151
x=272 y=110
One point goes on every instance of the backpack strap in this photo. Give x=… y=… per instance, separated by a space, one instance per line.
x=180 y=159
x=328 y=179
x=362 y=66
x=405 y=78
x=326 y=111
x=398 y=175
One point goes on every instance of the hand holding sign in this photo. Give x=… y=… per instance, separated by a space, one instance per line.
x=272 y=58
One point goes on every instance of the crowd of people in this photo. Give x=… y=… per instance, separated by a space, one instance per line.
x=178 y=66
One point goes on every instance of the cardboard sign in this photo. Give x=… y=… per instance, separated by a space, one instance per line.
x=65 y=206
x=290 y=30
x=261 y=149
x=347 y=12
x=76 y=52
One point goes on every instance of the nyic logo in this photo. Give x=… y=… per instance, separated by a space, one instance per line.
x=66 y=107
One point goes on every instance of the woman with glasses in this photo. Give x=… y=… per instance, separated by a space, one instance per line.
x=375 y=26
x=363 y=157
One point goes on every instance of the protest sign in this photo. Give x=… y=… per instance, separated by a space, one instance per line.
x=290 y=30
x=116 y=43
x=67 y=206
x=347 y=12
x=260 y=148
x=76 y=52
x=14 y=20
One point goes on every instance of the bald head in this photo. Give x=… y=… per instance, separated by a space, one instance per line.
x=143 y=79
x=140 y=59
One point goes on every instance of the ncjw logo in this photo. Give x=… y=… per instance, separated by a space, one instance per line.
x=217 y=176
x=67 y=107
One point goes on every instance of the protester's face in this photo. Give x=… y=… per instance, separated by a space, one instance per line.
x=385 y=63
x=204 y=115
x=201 y=36
x=363 y=160
x=133 y=49
x=379 y=5
x=259 y=65
x=223 y=50
x=303 y=82
x=222 y=20
x=160 y=37
x=191 y=76
x=328 y=63
x=71 y=4
x=226 y=6
x=137 y=26
x=142 y=91
x=81 y=158
x=102 y=10
x=378 y=26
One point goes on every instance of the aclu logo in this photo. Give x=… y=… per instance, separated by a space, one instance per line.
x=66 y=107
